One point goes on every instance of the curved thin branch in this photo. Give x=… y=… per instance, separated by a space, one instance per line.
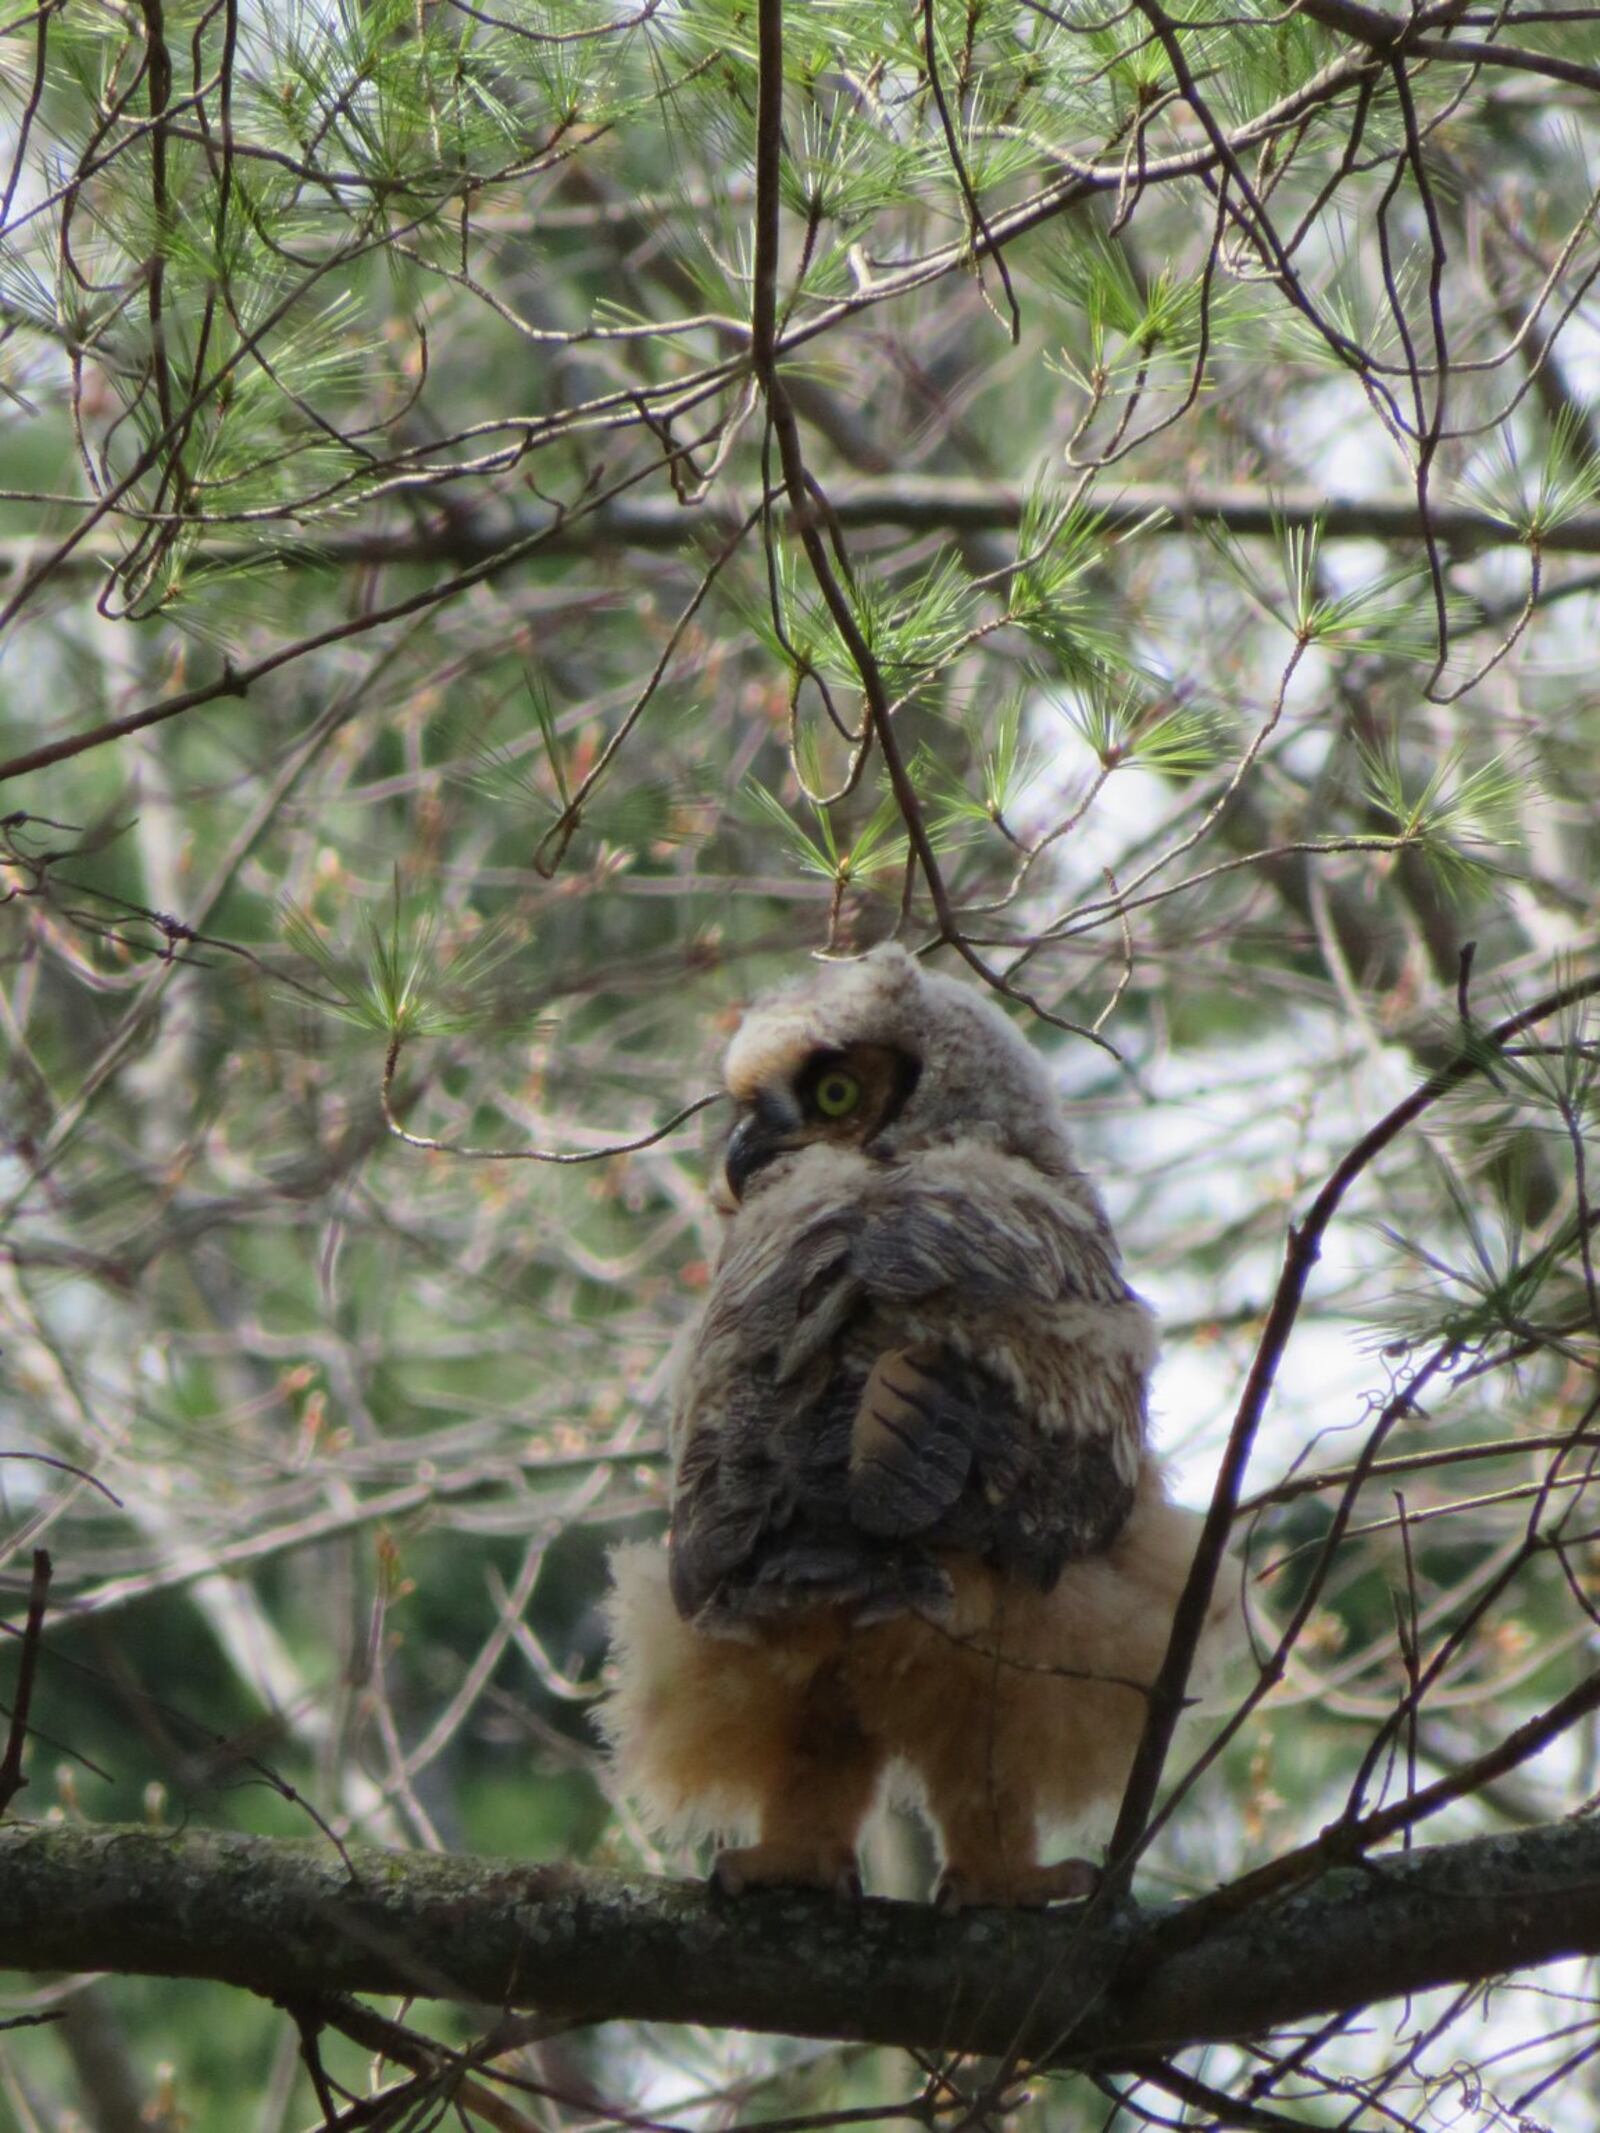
x=1302 y=1251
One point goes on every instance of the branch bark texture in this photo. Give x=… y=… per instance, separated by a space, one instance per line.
x=290 y=1919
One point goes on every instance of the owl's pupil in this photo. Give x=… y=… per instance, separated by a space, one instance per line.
x=836 y=1094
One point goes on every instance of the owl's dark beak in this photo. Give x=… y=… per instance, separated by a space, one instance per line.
x=769 y=1128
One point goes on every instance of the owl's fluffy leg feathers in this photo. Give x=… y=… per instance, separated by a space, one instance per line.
x=979 y=1762
x=818 y=1794
x=1019 y=1712
x=757 y=1738
x=1022 y=1711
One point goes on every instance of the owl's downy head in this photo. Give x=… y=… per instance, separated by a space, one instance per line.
x=886 y=1056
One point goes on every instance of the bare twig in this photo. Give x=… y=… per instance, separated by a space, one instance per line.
x=12 y=1778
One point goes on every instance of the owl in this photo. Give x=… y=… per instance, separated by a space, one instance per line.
x=917 y=1538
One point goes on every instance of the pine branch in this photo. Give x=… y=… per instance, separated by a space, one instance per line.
x=289 y=1920
x=913 y=503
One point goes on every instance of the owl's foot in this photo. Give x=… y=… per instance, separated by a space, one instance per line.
x=962 y=1888
x=788 y=1865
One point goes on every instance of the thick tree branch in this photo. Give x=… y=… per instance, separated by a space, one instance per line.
x=287 y=1920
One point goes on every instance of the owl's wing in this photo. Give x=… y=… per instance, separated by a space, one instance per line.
x=825 y=1458
x=1020 y=1444
x=761 y=1523
x=942 y=1453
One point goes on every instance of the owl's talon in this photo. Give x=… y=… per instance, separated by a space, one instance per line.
x=1030 y=1887
x=947 y=1893
x=725 y=1878
x=787 y=1866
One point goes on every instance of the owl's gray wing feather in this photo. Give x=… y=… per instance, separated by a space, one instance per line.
x=823 y=1458
x=761 y=1521
x=943 y=1453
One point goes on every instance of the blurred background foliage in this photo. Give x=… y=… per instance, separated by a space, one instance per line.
x=419 y=717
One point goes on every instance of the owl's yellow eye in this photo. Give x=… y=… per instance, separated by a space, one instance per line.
x=837 y=1093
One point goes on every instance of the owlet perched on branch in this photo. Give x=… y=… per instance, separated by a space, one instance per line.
x=915 y=1527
